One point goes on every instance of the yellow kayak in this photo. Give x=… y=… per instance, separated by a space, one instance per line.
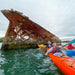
x=41 y=46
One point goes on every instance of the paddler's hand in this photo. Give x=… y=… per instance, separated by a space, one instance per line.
x=46 y=53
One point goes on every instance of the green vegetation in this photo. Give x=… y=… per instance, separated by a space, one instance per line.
x=65 y=41
x=24 y=46
x=13 y=47
x=1 y=39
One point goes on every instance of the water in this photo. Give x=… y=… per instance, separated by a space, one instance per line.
x=0 y=45
x=26 y=62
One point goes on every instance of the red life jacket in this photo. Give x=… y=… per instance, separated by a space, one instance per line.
x=71 y=47
x=56 y=49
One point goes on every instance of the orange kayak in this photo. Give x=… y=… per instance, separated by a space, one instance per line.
x=41 y=46
x=65 y=64
x=47 y=48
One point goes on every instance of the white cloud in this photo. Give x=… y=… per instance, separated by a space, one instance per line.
x=67 y=38
x=2 y=34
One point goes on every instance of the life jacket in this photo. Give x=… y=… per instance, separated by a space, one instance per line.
x=56 y=49
x=49 y=45
x=71 y=47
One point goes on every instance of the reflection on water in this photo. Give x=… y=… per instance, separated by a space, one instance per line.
x=26 y=62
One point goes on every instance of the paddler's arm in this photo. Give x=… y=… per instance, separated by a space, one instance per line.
x=65 y=48
x=50 y=50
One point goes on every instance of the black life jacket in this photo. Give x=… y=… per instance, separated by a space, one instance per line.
x=49 y=45
x=56 y=49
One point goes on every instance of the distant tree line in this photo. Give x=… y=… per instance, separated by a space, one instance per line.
x=65 y=41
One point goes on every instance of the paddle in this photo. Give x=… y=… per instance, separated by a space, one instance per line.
x=73 y=41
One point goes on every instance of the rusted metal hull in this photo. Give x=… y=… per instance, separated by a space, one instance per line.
x=22 y=32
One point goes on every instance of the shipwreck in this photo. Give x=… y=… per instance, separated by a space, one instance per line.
x=24 y=33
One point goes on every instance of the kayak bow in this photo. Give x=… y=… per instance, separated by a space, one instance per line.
x=65 y=64
x=41 y=46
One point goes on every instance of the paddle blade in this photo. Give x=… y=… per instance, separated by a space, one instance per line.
x=73 y=41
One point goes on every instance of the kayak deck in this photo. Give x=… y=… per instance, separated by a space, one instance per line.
x=70 y=52
x=65 y=64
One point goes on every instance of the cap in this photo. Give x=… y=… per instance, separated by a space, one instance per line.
x=53 y=41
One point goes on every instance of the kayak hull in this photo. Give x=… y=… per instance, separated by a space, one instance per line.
x=65 y=64
x=41 y=46
x=70 y=52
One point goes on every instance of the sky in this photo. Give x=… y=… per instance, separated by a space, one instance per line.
x=57 y=16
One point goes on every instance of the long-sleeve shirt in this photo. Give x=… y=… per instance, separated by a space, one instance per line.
x=55 y=54
x=50 y=50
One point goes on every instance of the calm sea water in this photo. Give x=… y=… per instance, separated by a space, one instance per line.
x=26 y=62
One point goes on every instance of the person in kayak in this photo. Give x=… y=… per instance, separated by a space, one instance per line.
x=70 y=47
x=49 y=45
x=56 y=50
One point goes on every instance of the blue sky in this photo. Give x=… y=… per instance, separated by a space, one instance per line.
x=57 y=16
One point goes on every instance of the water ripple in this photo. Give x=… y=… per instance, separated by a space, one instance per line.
x=26 y=62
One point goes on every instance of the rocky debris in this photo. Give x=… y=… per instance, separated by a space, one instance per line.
x=22 y=32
